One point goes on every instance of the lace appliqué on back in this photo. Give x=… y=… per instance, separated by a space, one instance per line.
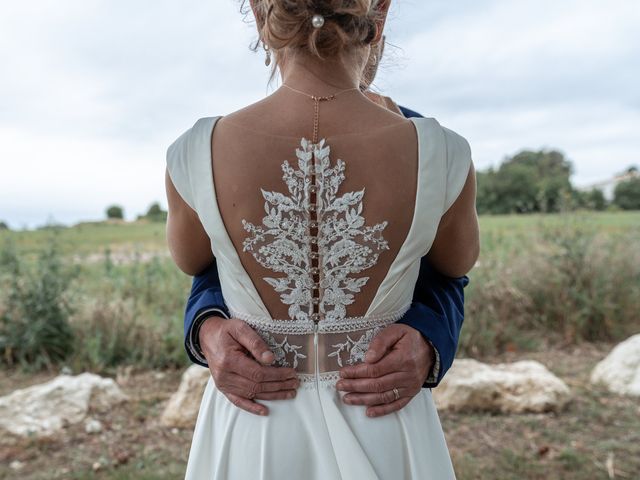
x=282 y=349
x=345 y=246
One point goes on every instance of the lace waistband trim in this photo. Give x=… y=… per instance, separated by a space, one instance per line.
x=301 y=327
x=325 y=380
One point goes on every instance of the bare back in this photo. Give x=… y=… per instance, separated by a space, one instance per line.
x=318 y=243
x=380 y=154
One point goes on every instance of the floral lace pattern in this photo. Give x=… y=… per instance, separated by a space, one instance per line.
x=282 y=349
x=318 y=338
x=345 y=245
x=356 y=348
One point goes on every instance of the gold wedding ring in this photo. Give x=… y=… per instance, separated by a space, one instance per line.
x=396 y=393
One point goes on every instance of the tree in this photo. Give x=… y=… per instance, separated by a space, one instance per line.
x=115 y=211
x=596 y=199
x=4 y=226
x=592 y=199
x=626 y=195
x=530 y=181
x=155 y=213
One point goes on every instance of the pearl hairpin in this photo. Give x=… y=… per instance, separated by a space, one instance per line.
x=317 y=20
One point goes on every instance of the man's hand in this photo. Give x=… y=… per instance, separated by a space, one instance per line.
x=229 y=345
x=398 y=357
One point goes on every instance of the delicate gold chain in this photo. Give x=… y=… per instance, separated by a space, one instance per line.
x=316 y=106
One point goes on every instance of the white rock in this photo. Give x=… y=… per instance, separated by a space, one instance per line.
x=16 y=465
x=518 y=387
x=45 y=408
x=182 y=408
x=91 y=425
x=620 y=370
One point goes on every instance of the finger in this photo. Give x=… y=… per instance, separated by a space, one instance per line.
x=373 y=399
x=393 y=362
x=250 y=389
x=249 y=368
x=249 y=339
x=248 y=405
x=281 y=395
x=376 y=384
x=380 y=410
x=382 y=343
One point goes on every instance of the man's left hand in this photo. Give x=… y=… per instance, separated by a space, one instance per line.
x=398 y=356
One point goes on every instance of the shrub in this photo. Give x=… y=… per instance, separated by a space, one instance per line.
x=34 y=327
x=132 y=314
x=115 y=211
x=627 y=194
x=569 y=281
x=155 y=213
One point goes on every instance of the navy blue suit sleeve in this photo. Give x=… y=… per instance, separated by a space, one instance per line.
x=437 y=311
x=205 y=299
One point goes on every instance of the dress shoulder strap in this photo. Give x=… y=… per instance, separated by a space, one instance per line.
x=432 y=176
x=188 y=160
x=458 y=165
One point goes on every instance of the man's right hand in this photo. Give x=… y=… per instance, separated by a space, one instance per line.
x=240 y=364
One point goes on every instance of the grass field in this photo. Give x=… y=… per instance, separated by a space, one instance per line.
x=562 y=289
x=94 y=237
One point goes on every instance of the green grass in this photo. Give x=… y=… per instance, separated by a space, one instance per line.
x=94 y=237
x=509 y=232
x=541 y=278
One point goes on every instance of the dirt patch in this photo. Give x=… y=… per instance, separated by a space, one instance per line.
x=597 y=433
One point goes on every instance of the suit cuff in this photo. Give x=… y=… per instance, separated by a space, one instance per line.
x=193 y=339
x=435 y=368
x=435 y=329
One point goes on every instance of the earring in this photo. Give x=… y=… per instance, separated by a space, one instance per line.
x=267 y=60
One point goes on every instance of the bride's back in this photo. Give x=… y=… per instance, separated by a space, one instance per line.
x=320 y=210
x=255 y=151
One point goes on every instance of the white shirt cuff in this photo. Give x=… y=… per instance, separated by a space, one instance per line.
x=195 y=329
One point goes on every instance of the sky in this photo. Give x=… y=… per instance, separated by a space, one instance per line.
x=92 y=92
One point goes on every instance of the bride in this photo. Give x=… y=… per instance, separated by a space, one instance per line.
x=317 y=205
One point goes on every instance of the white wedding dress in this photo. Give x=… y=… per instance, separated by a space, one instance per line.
x=315 y=436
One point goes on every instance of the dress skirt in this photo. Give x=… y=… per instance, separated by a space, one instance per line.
x=316 y=436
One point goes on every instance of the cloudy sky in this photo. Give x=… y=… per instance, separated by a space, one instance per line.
x=93 y=91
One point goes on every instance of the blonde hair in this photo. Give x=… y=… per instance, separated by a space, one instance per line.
x=348 y=25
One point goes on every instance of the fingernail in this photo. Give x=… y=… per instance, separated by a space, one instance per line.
x=266 y=356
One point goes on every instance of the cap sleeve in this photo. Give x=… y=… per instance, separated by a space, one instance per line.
x=458 y=165
x=178 y=166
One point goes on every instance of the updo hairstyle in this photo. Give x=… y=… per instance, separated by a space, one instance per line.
x=348 y=24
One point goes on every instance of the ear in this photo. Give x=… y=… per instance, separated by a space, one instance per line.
x=383 y=9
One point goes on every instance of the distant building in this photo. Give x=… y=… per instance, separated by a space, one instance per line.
x=608 y=186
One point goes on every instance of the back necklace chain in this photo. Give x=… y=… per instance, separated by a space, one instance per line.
x=316 y=105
